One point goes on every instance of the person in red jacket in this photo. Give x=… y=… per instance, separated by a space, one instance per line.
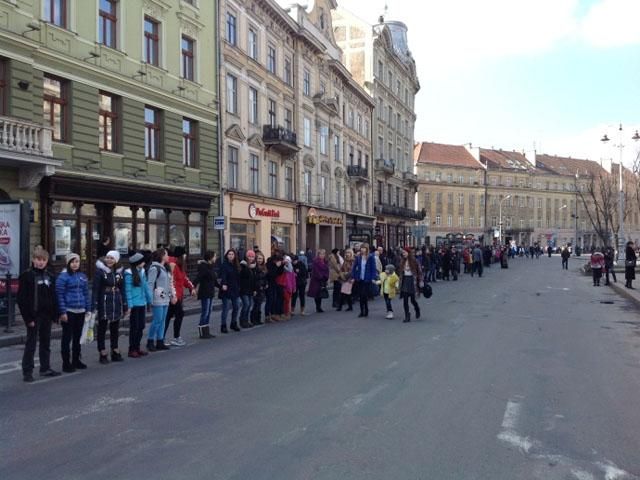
x=177 y=265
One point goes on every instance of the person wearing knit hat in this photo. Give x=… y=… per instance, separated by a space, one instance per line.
x=139 y=295
x=74 y=302
x=113 y=254
x=136 y=259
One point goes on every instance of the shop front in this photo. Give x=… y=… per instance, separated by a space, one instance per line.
x=254 y=224
x=322 y=229
x=392 y=233
x=90 y=217
x=360 y=229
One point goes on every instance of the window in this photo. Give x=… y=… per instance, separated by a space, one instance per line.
x=472 y=222
x=438 y=220
x=359 y=124
x=151 y=133
x=324 y=140
x=288 y=79
x=55 y=11
x=323 y=190
x=338 y=194
x=273 y=179
x=438 y=197
x=380 y=70
x=253 y=105
x=461 y=179
x=398 y=87
x=288 y=183
x=254 y=173
x=151 y=41
x=509 y=181
x=271 y=59
x=188 y=70
x=449 y=178
x=397 y=196
x=539 y=203
x=307 y=186
x=288 y=119
x=3 y=85
x=55 y=107
x=390 y=79
x=380 y=191
x=450 y=198
x=253 y=44
x=189 y=143
x=390 y=115
x=307 y=132
x=232 y=161
x=108 y=21
x=461 y=199
x=232 y=94
x=406 y=199
x=232 y=32
x=272 y=113
x=336 y=147
x=306 y=83
x=108 y=122
x=460 y=221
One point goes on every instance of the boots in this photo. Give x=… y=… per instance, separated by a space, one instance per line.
x=407 y=318
x=161 y=346
x=67 y=367
x=417 y=312
x=234 y=327
x=151 y=346
x=204 y=332
x=223 y=329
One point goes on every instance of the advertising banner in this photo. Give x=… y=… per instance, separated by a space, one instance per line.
x=14 y=242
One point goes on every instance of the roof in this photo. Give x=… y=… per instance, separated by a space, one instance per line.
x=568 y=166
x=505 y=159
x=428 y=153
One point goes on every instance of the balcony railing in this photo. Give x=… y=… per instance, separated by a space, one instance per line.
x=282 y=140
x=25 y=137
x=410 y=177
x=386 y=167
x=358 y=172
x=402 y=212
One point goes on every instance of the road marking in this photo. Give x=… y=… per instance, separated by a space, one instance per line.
x=612 y=472
x=15 y=366
x=509 y=424
x=101 y=405
x=361 y=399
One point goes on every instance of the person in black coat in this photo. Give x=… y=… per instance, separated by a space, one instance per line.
x=230 y=291
x=38 y=305
x=630 y=264
x=260 y=285
x=246 y=282
x=609 y=258
x=302 y=274
x=275 y=295
x=205 y=283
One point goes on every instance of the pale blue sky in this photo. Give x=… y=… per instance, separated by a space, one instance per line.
x=513 y=74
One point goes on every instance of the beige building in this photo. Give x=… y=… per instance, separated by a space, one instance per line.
x=379 y=58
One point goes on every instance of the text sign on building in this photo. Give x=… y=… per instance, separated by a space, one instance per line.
x=314 y=219
x=14 y=241
x=218 y=223
x=262 y=212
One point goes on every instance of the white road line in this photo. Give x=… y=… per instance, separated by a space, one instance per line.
x=612 y=472
x=511 y=414
x=101 y=405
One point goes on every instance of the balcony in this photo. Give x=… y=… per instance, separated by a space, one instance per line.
x=385 y=167
x=410 y=178
x=358 y=173
x=28 y=147
x=280 y=139
x=401 y=212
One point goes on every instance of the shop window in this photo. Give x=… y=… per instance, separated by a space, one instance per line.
x=282 y=235
x=157 y=228
x=88 y=210
x=65 y=237
x=177 y=228
x=195 y=233
x=243 y=235
x=55 y=106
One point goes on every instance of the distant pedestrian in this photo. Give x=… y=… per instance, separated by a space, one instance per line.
x=365 y=274
x=162 y=292
x=181 y=282
x=274 y=307
x=410 y=283
x=260 y=284
x=477 y=260
x=302 y=274
x=319 y=279
x=389 y=285
x=630 y=264
x=335 y=262
x=138 y=298
x=246 y=279
x=346 y=287
x=38 y=306
x=609 y=259
x=597 y=265
x=565 y=254
x=230 y=291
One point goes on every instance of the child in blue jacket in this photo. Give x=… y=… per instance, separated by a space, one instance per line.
x=138 y=297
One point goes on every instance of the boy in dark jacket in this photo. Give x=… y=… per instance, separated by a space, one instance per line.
x=38 y=306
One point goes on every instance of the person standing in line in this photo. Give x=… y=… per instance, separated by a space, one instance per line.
x=36 y=300
x=302 y=274
x=303 y=258
x=364 y=273
x=138 y=297
x=260 y=282
x=110 y=302
x=160 y=284
x=178 y=267
x=597 y=265
x=609 y=258
x=246 y=287
x=334 y=276
x=319 y=278
x=74 y=302
x=389 y=282
x=477 y=260
x=346 y=287
x=455 y=263
x=287 y=281
x=446 y=263
x=630 y=264
x=205 y=284
x=274 y=308
x=410 y=283
x=565 y=254
x=230 y=291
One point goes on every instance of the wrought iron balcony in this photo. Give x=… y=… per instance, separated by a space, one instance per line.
x=410 y=177
x=358 y=172
x=282 y=140
x=386 y=167
x=401 y=212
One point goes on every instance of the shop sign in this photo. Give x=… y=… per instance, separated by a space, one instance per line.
x=315 y=219
x=262 y=212
x=218 y=223
x=14 y=241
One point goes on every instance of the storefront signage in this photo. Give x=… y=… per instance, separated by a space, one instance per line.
x=314 y=218
x=262 y=212
x=218 y=223
x=14 y=241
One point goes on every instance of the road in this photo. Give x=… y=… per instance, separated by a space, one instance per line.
x=523 y=374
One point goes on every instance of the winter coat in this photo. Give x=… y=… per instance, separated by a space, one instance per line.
x=229 y=277
x=180 y=279
x=302 y=274
x=273 y=271
x=161 y=285
x=36 y=296
x=597 y=261
x=477 y=254
x=389 y=284
x=109 y=298
x=246 y=284
x=565 y=254
x=137 y=295
x=345 y=270
x=412 y=287
x=334 y=268
x=72 y=292
x=319 y=277
x=206 y=280
x=260 y=281
x=630 y=271
x=370 y=273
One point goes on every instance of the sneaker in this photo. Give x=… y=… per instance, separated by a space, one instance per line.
x=389 y=315
x=167 y=342
x=49 y=373
x=178 y=342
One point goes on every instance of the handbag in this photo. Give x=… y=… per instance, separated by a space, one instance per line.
x=427 y=291
x=324 y=292
x=629 y=263
x=347 y=287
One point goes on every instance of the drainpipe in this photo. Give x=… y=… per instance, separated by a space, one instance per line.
x=219 y=122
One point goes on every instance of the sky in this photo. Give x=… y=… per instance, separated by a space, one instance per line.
x=549 y=75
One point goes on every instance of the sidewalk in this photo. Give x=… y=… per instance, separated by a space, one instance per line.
x=630 y=294
x=19 y=334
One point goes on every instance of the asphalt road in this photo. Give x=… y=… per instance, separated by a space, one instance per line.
x=523 y=374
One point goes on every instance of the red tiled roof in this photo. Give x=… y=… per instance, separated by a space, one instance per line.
x=505 y=159
x=441 y=154
x=568 y=166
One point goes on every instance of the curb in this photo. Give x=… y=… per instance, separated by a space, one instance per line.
x=626 y=293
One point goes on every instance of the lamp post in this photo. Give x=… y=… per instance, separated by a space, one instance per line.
x=500 y=217
x=621 y=239
x=575 y=216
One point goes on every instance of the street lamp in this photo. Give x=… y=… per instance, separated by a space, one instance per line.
x=621 y=240
x=500 y=212
x=575 y=216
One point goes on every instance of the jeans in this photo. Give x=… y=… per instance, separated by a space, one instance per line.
x=205 y=311
x=246 y=302
x=136 y=327
x=256 y=311
x=71 y=333
x=114 y=333
x=298 y=294
x=565 y=264
x=156 y=330
x=176 y=310
x=41 y=329
x=609 y=270
x=336 y=293
x=387 y=301
x=234 y=303
x=477 y=267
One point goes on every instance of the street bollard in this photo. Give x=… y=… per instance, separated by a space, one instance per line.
x=8 y=329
